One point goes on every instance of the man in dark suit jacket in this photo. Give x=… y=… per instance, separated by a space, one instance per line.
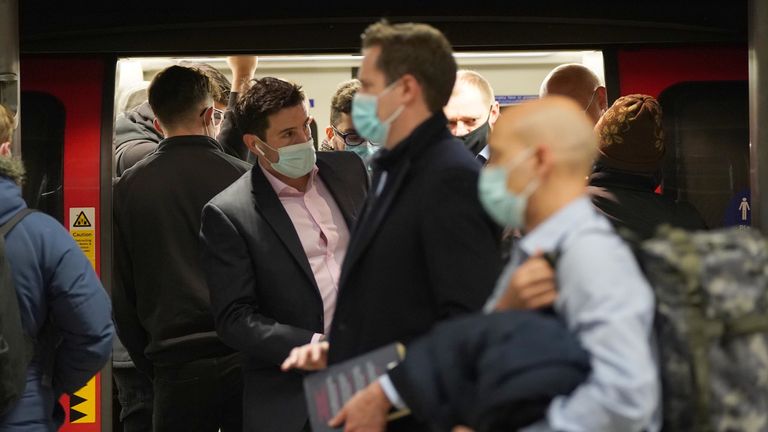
x=161 y=300
x=424 y=249
x=273 y=245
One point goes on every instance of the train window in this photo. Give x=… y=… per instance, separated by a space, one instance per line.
x=706 y=127
x=515 y=76
x=42 y=141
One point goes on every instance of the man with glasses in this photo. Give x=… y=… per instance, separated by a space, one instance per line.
x=580 y=84
x=341 y=134
x=472 y=112
x=161 y=299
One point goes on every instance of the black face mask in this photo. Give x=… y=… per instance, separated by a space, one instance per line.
x=477 y=139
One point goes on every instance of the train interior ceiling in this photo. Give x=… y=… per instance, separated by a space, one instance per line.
x=514 y=75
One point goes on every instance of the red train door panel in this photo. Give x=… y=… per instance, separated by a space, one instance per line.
x=78 y=85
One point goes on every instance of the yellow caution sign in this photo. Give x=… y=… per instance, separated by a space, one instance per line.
x=82 y=226
x=81 y=221
x=82 y=404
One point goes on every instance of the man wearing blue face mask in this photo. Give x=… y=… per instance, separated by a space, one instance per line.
x=273 y=245
x=341 y=134
x=424 y=249
x=536 y=181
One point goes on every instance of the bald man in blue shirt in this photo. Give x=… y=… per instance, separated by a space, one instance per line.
x=541 y=153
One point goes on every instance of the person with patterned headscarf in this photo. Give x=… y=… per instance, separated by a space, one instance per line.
x=628 y=170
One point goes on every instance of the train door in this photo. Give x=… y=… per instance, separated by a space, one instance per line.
x=703 y=93
x=63 y=107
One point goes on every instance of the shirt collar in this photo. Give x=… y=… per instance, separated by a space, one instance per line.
x=485 y=152
x=186 y=141
x=281 y=188
x=418 y=139
x=549 y=235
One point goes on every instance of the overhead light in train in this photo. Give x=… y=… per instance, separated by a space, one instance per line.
x=357 y=57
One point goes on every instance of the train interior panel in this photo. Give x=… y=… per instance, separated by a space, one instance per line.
x=514 y=75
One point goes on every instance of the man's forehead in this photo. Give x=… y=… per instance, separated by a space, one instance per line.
x=368 y=65
x=467 y=102
x=288 y=116
x=345 y=123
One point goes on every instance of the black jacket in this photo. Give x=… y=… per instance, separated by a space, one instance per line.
x=629 y=201
x=496 y=372
x=135 y=137
x=263 y=292
x=424 y=249
x=161 y=300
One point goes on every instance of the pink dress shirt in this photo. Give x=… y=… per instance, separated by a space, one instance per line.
x=322 y=231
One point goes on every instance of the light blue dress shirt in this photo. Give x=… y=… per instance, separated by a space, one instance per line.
x=606 y=301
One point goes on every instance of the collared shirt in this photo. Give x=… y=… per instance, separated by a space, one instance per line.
x=606 y=301
x=323 y=233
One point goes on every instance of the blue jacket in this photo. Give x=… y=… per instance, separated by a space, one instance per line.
x=55 y=281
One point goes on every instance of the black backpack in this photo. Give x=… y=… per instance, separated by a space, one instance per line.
x=16 y=347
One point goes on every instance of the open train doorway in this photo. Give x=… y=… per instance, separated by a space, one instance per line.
x=514 y=75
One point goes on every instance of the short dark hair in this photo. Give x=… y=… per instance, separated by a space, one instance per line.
x=266 y=96
x=221 y=85
x=341 y=103
x=417 y=49
x=176 y=91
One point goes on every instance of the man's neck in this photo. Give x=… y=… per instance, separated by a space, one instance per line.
x=299 y=184
x=405 y=124
x=549 y=200
x=184 y=131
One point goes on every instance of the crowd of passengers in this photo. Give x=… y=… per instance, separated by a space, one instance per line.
x=246 y=255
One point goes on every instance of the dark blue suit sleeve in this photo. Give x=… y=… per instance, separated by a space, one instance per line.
x=240 y=322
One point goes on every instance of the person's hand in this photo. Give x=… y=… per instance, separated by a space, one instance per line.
x=309 y=357
x=5 y=149
x=243 y=69
x=365 y=412
x=532 y=286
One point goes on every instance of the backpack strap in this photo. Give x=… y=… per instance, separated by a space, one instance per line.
x=8 y=226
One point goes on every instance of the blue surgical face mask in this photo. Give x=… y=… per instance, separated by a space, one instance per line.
x=366 y=119
x=505 y=208
x=295 y=160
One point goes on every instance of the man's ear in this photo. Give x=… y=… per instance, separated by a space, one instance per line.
x=329 y=133
x=157 y=126
x=250 y=141
x=602 y=99
x=494 y=115
x=544 y=158
x=5 y=149
x=411 y=89
x=208 y=116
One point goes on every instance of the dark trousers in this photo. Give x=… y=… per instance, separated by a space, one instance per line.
x=134 y=391
x=203 y=395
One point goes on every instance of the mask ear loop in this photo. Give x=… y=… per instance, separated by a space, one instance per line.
x=394 y=115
